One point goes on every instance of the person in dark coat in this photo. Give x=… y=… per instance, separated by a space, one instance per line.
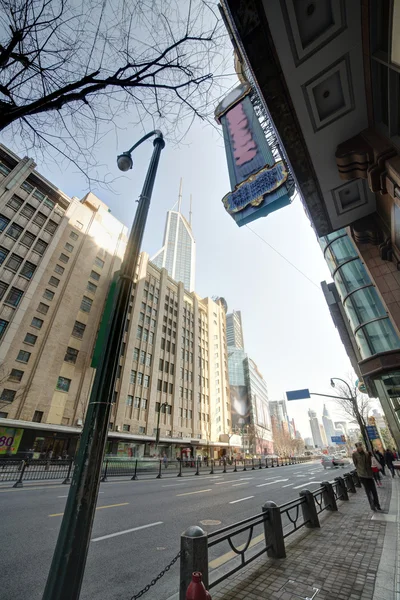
x=381 y=459
x=389 y=458
x=363 y=463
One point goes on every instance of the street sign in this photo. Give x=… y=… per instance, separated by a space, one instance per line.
x=372 y=432
x=298 y=394
x=338 y=439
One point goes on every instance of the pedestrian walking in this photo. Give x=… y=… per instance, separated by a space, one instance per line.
x=362 y=462
x=381 y=460
x=376 y=468
x=389 y=458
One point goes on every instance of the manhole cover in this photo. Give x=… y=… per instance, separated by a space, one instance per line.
x=300 y=590
x=210 y=522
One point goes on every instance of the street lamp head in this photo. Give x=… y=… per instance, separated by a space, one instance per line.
x=124 y=161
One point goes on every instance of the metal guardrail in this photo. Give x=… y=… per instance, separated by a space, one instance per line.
x=298 y=513
x=44 y=469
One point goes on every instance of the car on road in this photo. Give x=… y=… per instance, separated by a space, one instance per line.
x=333 y=462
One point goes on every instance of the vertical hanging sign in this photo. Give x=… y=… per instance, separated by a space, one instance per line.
x=257 y=181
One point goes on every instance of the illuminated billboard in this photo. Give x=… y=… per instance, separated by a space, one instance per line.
x=257 y=181
x=240 y=406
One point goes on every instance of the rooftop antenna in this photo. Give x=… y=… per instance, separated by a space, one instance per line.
x=190 y=212
x=180 y=196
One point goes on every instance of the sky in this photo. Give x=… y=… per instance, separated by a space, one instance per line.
x=288 y=330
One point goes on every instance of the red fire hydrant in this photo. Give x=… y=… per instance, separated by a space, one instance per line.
x=196 y=589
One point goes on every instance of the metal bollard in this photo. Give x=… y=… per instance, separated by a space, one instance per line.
x=329 y=496
x=260 y=465
x=266 y=463
x=18 y=483
x=224 y=470
x=342 y=489
x=235 y=469
x=159 y=470
x=134 y=476
x=244 y=465
x=252 y=464
x=309 y=509
x=212 y=467
x=356 y=478
x=104 y=478
x=273 y=530
x=194 y=557
x=349 y=483
x=197 y=467
x=68 y=477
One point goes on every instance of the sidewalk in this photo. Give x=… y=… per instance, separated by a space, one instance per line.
x=353 y=556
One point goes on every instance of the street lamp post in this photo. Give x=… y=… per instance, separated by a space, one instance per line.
x=68 y=565
x=359 y=417
x=164 y=404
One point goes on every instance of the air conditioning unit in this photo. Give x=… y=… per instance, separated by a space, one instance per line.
x=79 y=422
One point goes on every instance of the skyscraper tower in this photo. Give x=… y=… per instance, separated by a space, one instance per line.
x=178 y=253
x=328 y=425
x=315 y=429
x=234 y=330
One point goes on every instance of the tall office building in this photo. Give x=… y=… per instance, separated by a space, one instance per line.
x=315 y=428
x=178 y=253
x=234 y=330
x=277 y=409
x=328 y=425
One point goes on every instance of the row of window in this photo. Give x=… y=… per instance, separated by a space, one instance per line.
x=7 y=395
x=167 y=388
x=140 y=378
x=165 y=365
x=137 y=402
x=144 y=334
x=142 y=357
x=28 y=211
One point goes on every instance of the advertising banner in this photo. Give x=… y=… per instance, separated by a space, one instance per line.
x=10 y=439
x=241 y=408
x=257 y=181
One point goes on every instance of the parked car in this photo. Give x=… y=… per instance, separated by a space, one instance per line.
x=333 y=462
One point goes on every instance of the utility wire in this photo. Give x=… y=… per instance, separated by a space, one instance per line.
x=284 y=258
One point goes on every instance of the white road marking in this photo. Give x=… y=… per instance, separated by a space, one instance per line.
x=304 y=484
x=245 y=478
x=241 y=499
x=272 y=482
x=111 y=535
x=190 y=493
x=237 y=484
x=296 y=472
x=222 y=482
x=174 y=484
x=288 y=485
x=300 y=475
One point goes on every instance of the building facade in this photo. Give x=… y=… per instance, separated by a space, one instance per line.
x=178 y=253
x=58 y=257
x=234 y=330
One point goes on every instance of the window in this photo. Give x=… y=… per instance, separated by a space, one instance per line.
x=94 y=275
x=37 y=416
x=151 y=337
x=162 y=343
x=136 y=354
x=79 y=225
x=4 y=170
x=142 y=429
x=54 y=281
x=159 y=385
x=98 y=262
x=3 y=327
x=148 y=360
x=48 y=202
x=28 y=210
x=143 y=404
x=129 y=400
x=63 y=384
x=59 y=269
x=86 y=304
x=7 y=395
x=40 y=247
x=133 y=377
x=139 y=332
x=172 y=369
x=136 y=402
x=145 y=335
x=27 y=239
x=30 y=339
x=64 y=258
x=171 y=389
x=40 y=219
x=69 y=247
x=3 y=254
x=91 y=287
x=39 y=195
x=3 y=415
x=14 y=262
x=3 y=288
x=71 y=355
x=15 y=203
x=15 y=375
x=74 y=236
x=141 y=317
x=37 y=323
x=48 y=294
x=51 y=226
x=14 y=296
x=78 y=330
x=28 y=270
x=126 y=427
x=43 y=308
x=161 y=365
x=142 y=357
x=165 y=387
x=140 y=378
x=23 y=356
x=146 y=381
x=3 y=222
